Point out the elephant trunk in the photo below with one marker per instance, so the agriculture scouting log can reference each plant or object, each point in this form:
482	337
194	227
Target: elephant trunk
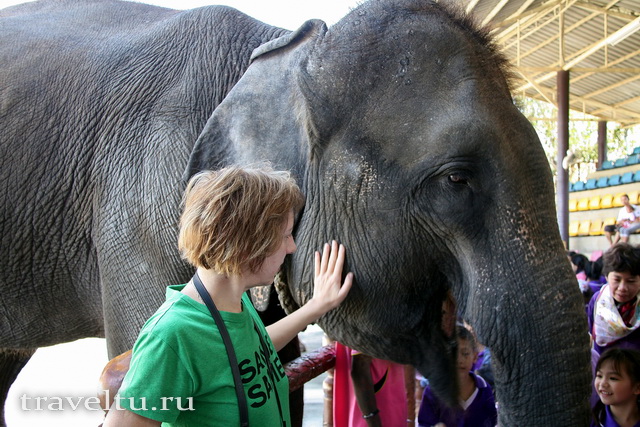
538	336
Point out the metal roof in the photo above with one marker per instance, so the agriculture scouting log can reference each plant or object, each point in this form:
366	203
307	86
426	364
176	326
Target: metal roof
597	41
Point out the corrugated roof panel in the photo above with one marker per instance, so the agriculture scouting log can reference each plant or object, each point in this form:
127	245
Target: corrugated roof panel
586	26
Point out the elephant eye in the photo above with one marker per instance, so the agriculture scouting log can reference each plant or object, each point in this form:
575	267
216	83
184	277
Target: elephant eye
457	179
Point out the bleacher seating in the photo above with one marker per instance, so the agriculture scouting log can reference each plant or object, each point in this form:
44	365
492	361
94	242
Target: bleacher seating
602	182
583	204
573	228
573	205
631	159
616	200
606	201
607	164
596	228
585	226
594	202
607	181
578	186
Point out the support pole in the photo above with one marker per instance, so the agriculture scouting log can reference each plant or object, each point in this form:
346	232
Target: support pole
410	389
562	182
602	143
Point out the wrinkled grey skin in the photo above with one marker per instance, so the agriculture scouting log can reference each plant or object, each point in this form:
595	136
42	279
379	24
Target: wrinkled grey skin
397	123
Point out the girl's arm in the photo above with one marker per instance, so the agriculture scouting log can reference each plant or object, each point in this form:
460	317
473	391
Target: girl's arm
328	293
363	388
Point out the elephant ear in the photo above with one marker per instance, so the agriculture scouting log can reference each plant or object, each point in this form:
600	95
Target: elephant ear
298	36
259	119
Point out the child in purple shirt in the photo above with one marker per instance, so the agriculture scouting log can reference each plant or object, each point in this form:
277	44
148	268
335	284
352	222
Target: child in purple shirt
617	383
477	404
613	314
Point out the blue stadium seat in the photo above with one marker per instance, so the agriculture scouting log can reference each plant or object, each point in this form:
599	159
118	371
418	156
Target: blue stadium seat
578	186
591	184
614	180
603	181
620	163
636	176
607	164
633	159
627	178
636	150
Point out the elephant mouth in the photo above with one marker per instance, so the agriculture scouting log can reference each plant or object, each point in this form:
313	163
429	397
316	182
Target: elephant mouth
260	296
284	292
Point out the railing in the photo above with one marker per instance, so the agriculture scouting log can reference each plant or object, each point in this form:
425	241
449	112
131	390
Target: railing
299	371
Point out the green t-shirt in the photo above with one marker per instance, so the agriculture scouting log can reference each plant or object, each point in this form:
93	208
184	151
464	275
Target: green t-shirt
180	371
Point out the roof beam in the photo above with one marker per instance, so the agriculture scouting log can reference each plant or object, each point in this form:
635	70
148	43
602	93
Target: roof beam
512	21
494	12
597	46
514	24
538	88
582	69
585	53
611	87
555	119
472	4
522	8
619	104
632	115
555	37
607	10
609	66
606	96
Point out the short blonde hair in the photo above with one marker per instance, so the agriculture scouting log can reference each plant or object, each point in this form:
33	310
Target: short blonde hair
233	217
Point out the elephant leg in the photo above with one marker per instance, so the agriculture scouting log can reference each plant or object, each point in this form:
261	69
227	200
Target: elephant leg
11	363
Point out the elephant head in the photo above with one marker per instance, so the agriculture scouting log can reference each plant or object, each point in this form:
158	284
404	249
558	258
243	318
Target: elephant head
400	128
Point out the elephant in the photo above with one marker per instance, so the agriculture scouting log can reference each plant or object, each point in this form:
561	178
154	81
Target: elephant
399	126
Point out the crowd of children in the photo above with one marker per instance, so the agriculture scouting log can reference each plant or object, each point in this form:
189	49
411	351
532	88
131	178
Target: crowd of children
611	286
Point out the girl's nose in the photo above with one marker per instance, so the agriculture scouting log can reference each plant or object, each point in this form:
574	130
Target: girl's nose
292	246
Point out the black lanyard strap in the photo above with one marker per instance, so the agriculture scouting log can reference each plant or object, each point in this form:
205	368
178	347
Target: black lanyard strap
272	375
233	361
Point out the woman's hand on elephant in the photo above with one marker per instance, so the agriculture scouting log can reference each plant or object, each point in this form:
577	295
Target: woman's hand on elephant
328	293
329	290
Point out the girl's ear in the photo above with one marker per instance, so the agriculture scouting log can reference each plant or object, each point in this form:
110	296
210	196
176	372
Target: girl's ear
636	389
